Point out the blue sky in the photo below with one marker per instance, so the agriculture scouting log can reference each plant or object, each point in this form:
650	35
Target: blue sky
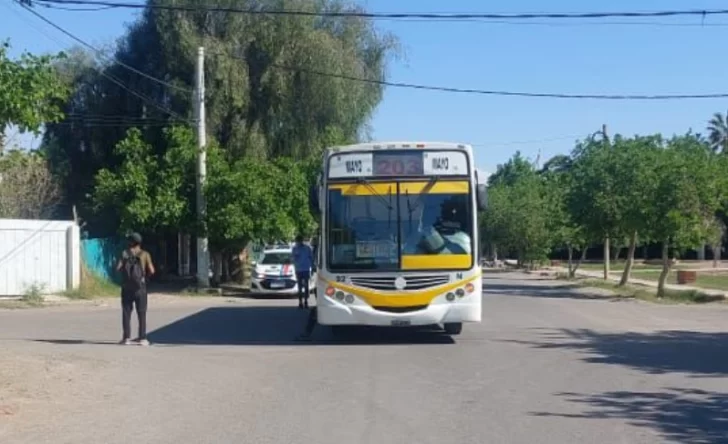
679	55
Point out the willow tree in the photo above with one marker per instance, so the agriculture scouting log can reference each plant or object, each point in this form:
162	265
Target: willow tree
276	85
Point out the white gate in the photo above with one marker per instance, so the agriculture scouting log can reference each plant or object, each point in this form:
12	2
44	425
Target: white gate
41	253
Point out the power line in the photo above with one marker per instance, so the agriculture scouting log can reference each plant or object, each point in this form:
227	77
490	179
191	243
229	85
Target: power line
405	15
98	51
65	8
113	79
543	95
505	93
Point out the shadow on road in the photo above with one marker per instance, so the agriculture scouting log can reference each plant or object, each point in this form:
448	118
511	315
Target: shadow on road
264	325
680	415
693	353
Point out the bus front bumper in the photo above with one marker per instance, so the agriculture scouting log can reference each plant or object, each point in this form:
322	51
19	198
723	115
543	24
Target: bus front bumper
440	311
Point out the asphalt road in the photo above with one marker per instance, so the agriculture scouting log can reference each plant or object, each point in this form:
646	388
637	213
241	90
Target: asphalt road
549	364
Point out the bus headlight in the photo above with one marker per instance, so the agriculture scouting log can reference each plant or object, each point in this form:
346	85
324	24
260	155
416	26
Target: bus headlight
349	299
330	291
460	292
340	295
469	287
450	297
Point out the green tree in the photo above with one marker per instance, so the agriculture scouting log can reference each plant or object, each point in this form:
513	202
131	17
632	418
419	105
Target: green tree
688	193
31	92
264	98
512	171
634	189
592	198
718	132
151	192
564	230
518	218
28	189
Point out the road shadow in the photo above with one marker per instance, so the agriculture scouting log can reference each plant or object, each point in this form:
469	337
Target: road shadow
679	415
689	352
265	325
548	291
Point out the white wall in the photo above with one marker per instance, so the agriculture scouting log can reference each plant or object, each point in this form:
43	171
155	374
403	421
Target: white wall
39	252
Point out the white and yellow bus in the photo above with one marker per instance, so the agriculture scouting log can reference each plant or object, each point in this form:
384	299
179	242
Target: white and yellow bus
399	235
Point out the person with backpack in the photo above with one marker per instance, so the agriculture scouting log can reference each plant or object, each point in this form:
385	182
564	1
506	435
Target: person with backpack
135	266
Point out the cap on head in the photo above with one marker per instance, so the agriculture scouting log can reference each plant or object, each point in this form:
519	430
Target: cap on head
299	239
134	238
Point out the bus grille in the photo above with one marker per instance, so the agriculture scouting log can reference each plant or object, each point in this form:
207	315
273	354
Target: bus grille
387	283
401	309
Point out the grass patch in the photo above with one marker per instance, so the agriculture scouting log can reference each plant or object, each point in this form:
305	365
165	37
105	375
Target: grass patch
706	279
650	294
33	295
618	266
92	287
14	304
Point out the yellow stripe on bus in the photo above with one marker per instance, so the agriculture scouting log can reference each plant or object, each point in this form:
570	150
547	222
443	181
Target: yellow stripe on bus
356	189
435	262
400	298
440	187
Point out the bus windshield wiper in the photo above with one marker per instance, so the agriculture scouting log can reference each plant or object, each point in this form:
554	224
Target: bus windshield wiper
387	203
430	183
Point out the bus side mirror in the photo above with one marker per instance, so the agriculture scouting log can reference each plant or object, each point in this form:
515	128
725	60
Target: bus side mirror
481	194
313	199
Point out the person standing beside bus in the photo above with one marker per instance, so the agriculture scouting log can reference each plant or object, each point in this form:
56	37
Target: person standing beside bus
304	263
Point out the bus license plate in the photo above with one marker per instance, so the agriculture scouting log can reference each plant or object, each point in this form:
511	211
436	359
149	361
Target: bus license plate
400	323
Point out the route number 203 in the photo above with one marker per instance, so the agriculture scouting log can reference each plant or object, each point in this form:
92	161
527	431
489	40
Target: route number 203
397	167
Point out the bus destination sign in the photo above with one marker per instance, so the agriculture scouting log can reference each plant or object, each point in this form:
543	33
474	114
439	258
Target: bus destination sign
398	164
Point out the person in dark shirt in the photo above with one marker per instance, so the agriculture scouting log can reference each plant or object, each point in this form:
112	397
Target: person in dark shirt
136	267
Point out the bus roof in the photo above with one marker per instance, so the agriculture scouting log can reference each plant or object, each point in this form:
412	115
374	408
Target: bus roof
399	145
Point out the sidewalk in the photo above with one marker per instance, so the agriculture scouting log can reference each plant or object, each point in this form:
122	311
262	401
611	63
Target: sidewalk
647	283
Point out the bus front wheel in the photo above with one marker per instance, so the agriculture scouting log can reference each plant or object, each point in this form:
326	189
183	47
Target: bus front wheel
453	328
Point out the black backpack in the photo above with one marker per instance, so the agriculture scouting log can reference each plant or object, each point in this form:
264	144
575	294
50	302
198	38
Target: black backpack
133	272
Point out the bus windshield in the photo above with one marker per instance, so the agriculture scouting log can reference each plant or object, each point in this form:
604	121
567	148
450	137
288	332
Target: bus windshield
425	227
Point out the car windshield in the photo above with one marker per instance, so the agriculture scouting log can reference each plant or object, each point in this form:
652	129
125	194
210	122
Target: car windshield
277	258
424	220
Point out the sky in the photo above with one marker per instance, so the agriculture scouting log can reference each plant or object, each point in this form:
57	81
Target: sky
621	56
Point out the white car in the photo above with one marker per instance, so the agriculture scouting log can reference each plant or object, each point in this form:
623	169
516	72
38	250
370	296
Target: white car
274	273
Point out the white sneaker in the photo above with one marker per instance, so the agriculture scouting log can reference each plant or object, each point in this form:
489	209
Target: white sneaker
144	342
125	342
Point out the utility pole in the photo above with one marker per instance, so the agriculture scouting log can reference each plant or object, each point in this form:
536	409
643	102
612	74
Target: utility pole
607	249
203	255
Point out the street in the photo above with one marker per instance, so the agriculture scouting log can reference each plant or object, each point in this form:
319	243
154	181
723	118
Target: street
549	364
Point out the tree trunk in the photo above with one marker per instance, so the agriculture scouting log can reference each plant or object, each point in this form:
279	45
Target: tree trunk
665	269
216	266
630	259
582	258
606	258
570	251
163	259
226	268
617	251
716	254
